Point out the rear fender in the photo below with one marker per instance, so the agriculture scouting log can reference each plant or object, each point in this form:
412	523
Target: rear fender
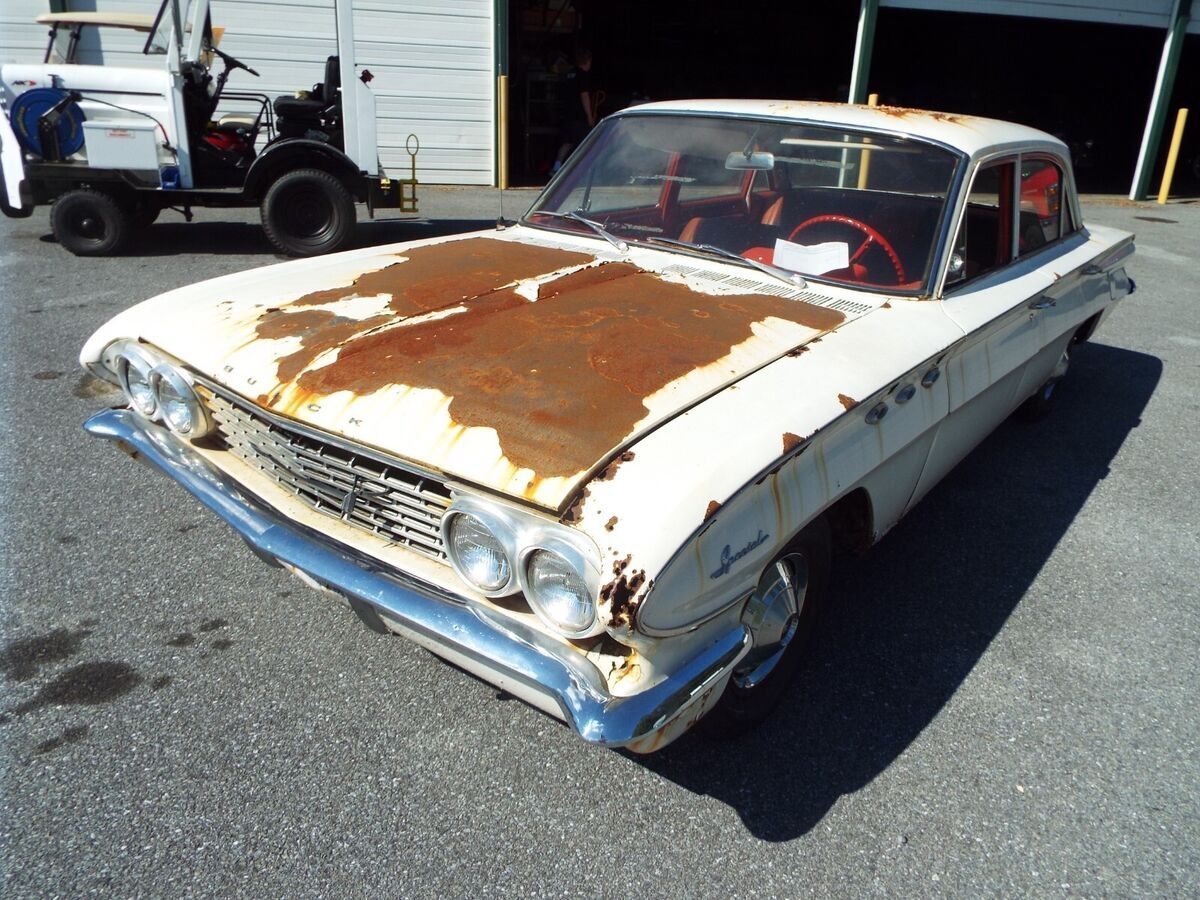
289	154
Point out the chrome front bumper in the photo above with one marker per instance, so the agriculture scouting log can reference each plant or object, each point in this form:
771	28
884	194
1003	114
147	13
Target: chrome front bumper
506	652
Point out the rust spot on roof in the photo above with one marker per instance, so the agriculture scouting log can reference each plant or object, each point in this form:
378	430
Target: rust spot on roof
713	506
610	524
441	275
847	402
562	381
796	351
902	112
791	441
886	305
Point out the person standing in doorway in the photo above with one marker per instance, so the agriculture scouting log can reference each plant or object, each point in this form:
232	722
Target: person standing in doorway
579	106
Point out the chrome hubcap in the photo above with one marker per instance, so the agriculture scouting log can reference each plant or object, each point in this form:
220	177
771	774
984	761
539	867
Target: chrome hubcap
773	616
1060	370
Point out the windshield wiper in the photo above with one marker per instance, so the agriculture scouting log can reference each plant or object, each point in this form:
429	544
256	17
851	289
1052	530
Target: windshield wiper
792	278
595	226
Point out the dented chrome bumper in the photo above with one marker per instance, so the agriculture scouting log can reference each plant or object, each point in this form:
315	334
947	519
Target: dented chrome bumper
517	658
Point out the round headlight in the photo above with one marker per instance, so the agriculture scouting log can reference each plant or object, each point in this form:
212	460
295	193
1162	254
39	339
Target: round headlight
478	554
177	402
559	593
134	371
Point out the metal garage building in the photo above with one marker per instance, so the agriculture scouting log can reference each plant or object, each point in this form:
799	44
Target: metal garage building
433	65
1081	67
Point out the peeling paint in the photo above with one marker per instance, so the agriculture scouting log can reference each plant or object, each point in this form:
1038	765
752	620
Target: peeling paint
847	402
561	381
711	511
791	441
621	594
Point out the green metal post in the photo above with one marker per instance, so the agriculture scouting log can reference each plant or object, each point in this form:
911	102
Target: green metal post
1161	99
864	43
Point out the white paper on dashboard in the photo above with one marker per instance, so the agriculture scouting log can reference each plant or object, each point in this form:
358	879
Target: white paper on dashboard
812	259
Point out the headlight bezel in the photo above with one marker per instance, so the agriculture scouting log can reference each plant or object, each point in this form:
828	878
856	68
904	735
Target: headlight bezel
521	534
499	529
569	552
134	356
157	369
200	423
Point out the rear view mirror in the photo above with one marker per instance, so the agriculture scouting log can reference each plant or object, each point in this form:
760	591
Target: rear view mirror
759	161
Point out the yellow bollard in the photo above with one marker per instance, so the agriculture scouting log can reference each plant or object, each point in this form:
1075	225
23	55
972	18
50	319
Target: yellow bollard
865	157
502	128
1172	156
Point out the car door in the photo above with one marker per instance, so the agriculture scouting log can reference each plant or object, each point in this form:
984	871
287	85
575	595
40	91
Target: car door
997	298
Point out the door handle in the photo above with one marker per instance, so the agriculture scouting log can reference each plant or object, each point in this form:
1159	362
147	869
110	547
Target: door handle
1043	303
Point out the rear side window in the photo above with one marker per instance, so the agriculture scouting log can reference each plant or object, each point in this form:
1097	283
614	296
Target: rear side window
1042	217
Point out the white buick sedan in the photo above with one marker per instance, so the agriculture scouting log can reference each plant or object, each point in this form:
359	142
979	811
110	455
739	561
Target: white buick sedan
600	457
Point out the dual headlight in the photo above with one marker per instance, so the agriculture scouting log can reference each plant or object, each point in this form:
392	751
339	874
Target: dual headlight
159	390
500	551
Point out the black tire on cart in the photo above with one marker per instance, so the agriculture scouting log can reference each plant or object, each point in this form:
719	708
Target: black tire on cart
89	222
143	215
780	614
308	212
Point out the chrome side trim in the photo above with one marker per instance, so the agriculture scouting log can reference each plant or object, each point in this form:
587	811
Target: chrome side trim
512	653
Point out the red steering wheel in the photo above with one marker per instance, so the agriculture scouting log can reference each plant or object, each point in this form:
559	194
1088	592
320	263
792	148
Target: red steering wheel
873	238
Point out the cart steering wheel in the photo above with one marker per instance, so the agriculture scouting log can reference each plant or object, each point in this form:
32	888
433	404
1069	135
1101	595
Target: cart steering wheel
873	238
232	63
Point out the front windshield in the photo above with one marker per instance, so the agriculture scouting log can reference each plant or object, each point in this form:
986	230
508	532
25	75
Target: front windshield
830	203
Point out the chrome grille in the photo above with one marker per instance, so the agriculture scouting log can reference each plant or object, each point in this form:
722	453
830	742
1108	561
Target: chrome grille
395	503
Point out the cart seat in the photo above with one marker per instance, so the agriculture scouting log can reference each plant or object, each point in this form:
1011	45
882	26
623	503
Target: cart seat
236	120
296	108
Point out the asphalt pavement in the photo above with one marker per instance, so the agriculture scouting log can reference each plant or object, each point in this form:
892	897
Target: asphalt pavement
1002	700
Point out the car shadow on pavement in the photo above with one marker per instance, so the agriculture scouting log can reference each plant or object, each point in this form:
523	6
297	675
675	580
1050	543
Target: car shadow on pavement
908	621
170	238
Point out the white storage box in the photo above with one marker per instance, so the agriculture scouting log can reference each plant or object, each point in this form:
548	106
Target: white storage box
121	144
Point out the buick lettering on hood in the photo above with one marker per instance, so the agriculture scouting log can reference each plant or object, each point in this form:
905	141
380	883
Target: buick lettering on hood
601	457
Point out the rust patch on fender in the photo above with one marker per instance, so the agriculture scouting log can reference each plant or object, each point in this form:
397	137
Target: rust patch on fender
791	441
561	380
713	507
621	594
441	275
847	402
610	471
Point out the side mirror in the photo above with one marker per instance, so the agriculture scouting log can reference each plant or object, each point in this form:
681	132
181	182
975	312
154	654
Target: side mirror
759	161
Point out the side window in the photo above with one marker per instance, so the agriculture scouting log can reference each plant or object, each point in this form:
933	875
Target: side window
984	240
1042	219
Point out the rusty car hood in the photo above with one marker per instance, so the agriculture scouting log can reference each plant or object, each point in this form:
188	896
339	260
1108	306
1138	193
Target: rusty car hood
513	364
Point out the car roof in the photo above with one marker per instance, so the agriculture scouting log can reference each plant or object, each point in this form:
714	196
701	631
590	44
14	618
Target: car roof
973	135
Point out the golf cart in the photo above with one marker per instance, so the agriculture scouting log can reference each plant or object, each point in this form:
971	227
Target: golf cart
111	147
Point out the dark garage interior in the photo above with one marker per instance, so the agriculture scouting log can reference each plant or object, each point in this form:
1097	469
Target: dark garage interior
1089	83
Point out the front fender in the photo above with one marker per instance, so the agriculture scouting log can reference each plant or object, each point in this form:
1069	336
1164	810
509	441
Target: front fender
14	190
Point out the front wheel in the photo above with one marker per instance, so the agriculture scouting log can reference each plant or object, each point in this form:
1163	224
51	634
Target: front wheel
308	212
89	223
780	615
